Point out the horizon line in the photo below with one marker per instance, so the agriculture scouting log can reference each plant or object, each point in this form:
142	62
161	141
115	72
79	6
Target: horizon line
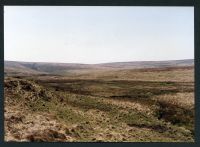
97	63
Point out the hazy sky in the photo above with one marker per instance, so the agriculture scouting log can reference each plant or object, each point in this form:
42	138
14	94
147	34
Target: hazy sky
98	34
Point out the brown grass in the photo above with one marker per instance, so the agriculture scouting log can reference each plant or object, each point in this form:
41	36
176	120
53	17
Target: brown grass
129	105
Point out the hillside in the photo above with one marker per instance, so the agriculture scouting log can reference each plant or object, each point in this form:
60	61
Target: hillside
99	105
13	67
148	64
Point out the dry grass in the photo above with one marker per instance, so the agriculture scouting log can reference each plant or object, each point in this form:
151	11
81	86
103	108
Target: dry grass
185	100
132	106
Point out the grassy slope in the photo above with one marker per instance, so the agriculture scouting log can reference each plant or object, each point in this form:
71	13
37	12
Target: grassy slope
102	106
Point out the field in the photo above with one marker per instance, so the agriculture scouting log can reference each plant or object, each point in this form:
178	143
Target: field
100	105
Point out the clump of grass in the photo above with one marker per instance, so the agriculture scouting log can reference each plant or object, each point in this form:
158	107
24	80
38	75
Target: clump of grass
47	135
176	115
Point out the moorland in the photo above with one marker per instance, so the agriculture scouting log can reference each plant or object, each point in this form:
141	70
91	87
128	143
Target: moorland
146	101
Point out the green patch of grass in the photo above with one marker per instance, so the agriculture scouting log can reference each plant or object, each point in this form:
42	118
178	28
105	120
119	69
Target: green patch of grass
135	119
86	102
69	115
130	117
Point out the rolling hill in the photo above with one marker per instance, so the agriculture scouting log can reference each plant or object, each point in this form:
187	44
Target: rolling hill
14	67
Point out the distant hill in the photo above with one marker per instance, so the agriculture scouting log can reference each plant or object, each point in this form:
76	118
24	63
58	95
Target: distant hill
15	67
149	64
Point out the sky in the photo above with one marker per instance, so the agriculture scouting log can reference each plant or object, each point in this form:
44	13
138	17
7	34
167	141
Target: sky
97	34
